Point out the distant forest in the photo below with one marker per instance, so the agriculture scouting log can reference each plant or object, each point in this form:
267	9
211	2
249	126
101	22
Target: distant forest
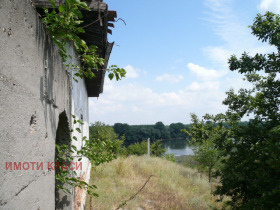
138	133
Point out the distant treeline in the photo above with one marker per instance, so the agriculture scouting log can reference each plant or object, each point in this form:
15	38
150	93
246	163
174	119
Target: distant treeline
138	133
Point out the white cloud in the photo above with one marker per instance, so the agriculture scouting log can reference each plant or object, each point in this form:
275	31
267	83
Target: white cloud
207	86
204	73
218	55
219	6
225	23
269	5
233	30
136	104
171	78
131	72
105	106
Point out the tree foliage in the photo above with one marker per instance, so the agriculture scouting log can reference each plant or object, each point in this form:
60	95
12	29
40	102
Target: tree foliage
64	154
251	168
138	133
142	148
156	149
103	144
203	136
249	152
137	148
175	130
170	157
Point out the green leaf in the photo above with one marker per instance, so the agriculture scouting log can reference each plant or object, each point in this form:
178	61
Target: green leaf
52	3
111	76
61	8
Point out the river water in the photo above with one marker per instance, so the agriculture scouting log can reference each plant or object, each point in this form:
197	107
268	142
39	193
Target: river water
177	146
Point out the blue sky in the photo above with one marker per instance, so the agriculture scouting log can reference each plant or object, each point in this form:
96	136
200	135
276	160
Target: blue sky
175	54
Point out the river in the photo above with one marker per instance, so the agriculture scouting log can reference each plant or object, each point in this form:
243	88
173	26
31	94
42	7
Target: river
177	146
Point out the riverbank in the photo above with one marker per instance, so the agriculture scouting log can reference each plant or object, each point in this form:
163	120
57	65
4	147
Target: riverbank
172	186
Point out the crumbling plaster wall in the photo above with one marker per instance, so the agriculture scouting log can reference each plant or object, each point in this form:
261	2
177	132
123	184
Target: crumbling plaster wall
80	110
34	90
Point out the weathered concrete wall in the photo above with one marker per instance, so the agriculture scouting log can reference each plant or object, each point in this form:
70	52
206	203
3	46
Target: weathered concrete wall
34	90
80	110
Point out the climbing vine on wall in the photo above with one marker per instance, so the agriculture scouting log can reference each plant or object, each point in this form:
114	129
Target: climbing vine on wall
63	24
98	150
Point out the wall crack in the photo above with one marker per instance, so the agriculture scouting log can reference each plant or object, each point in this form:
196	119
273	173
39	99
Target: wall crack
3	203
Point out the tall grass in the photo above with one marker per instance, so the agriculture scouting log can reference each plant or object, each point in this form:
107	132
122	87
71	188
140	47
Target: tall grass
172	186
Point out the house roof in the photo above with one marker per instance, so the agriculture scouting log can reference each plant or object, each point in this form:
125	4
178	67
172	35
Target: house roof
96	23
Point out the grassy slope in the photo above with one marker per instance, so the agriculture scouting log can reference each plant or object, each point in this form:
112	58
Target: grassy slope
172	187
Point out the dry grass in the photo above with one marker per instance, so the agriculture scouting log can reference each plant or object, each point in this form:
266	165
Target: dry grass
172	186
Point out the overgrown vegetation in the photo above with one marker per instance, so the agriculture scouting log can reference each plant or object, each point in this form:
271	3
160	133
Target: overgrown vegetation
64	26
103	144
170	157
187	161
250	169
172	186
64	179
202	136
142	148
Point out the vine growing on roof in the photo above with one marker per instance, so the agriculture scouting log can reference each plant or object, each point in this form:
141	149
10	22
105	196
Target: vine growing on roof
63	24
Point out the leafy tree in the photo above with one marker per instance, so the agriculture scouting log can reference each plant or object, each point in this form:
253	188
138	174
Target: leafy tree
175	130
103	144
165	134
251	170
153	134
160	126
204	135
137	148
121	128
157	149
170	157
138	133
142	148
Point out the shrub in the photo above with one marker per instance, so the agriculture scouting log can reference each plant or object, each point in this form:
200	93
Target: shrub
170	157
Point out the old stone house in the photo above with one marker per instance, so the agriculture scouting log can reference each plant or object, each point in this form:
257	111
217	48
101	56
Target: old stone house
37	100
